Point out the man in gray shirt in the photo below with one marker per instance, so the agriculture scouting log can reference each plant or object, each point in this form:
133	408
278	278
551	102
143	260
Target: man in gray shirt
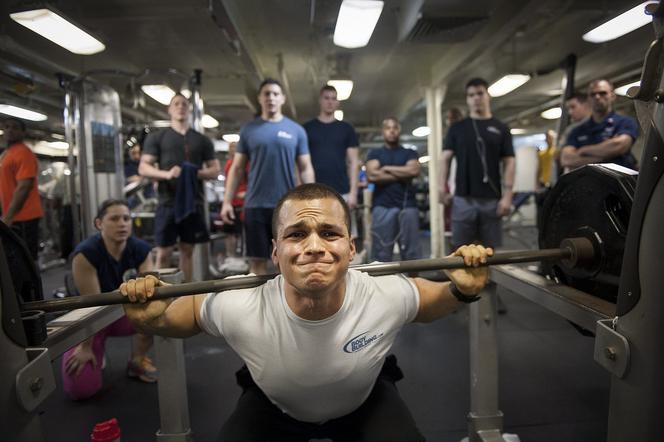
273	144
175	149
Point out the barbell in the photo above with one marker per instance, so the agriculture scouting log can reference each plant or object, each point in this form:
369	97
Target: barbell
572	253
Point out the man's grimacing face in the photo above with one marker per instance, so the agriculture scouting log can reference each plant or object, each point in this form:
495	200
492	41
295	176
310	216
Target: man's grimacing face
313	248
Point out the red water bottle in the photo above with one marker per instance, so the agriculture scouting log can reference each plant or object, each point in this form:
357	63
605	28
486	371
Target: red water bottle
108	431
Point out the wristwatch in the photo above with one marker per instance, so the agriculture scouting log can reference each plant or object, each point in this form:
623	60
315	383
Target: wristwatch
460	296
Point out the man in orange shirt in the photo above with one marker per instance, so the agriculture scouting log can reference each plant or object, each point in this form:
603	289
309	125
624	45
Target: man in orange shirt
21	206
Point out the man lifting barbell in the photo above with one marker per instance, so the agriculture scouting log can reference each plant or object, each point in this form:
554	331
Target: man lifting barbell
315	337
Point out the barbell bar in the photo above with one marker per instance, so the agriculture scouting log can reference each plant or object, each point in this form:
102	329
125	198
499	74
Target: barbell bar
572	252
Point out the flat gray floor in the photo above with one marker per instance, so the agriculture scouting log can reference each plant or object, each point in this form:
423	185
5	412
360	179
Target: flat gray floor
550	387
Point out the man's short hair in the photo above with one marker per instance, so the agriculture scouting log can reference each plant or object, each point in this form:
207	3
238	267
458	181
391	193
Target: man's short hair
270	81
308	192
477	81
328	88
177	94
391	118
578	96
18	121
599	80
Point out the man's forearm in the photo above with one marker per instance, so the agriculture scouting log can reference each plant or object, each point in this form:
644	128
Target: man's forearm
234	177
177	321
150	171
19	198
307	175
402	172
606	150
209	172
353	172
381	177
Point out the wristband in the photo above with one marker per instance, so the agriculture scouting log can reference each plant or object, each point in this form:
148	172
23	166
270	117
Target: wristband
460	296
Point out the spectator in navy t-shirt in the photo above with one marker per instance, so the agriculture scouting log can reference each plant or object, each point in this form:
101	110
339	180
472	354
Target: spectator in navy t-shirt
274	144
333	146
394	215
606	137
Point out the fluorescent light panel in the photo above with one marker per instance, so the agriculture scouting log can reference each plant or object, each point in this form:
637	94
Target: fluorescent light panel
507	84
339	114
343	87
424	159
159	92
356	22
620	25
60	31
186	93
552	114
622	90
421	131
19	112
231	138
517	131
209	122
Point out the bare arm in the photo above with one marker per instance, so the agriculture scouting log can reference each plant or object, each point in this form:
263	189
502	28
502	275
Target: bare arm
210	170
570	157
509	170
376	174
19	198
353	164
306	169
235	175
410	170
176	318
436	299
147	168
609	148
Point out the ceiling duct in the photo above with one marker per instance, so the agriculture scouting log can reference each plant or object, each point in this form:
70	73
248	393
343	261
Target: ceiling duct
430	29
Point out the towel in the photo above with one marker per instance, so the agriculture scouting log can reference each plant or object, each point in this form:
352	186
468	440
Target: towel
186	191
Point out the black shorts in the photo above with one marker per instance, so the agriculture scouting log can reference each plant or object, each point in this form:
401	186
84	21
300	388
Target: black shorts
190	230
258	232
236	227
28	231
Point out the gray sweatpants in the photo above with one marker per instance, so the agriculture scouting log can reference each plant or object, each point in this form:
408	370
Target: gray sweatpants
475	220
390	224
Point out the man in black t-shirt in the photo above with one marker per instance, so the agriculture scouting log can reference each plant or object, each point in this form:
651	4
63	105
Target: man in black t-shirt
333	147
479	143
184	156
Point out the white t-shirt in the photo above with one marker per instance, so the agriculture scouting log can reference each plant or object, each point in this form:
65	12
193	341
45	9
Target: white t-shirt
314	370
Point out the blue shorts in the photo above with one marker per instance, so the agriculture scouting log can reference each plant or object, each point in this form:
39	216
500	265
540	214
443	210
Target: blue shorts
258	232
190	230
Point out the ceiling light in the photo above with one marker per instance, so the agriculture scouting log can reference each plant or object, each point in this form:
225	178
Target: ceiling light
424	159
209	122
552	114
53	26
507	84
58	136
186	93
159	92
517	131
343	87
622	90
2	132
356	22
231	138
58	145
339	115
19	112
620	25
421	131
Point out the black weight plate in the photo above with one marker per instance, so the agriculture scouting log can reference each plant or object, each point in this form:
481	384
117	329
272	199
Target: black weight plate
594	202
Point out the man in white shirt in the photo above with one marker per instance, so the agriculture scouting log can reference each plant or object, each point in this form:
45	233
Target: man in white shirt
314	338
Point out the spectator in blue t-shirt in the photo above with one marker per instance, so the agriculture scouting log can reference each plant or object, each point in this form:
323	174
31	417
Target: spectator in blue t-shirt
274	144
394	215
606	137
333	145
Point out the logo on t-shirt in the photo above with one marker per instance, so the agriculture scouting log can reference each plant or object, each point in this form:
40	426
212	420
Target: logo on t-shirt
361	341
284	134
493	129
